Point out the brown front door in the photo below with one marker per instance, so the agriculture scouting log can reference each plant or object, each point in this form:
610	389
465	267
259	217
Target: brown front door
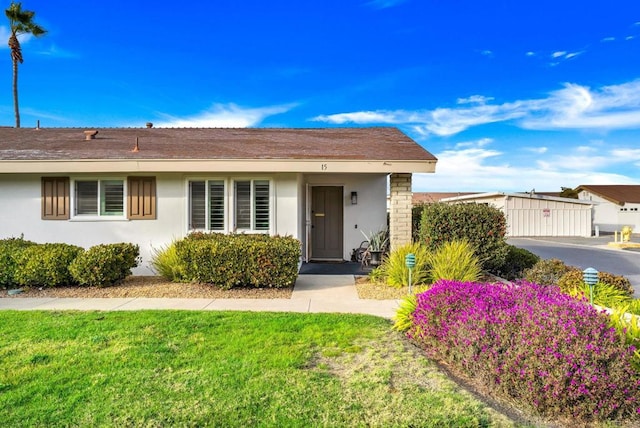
326	222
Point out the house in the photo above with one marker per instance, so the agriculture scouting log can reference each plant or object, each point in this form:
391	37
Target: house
150	186
615	205
432	197
532	214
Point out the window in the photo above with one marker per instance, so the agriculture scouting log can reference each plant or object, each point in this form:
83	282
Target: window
141	202
99	198
252	205
55	198
207	205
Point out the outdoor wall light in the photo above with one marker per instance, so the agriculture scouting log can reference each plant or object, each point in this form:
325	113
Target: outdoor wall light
354	198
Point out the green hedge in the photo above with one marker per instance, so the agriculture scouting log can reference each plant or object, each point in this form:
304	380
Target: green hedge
483	226
106	264
516	262
10	250
239	260
46	265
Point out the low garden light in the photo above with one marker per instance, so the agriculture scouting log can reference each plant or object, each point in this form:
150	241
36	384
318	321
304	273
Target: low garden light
410	262
590	277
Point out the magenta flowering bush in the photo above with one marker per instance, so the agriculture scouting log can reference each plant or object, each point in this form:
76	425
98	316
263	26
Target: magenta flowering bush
531	343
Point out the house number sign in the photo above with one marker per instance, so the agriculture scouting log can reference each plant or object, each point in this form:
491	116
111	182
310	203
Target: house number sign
324	167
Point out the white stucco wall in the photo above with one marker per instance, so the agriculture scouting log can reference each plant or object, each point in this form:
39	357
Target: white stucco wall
20	214
20	211
611	217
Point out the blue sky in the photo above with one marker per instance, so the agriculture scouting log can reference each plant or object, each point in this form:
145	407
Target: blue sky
509	95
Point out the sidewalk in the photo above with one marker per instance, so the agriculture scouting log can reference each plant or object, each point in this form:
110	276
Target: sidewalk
312	293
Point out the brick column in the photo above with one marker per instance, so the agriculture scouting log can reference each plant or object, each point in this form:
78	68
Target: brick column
400	210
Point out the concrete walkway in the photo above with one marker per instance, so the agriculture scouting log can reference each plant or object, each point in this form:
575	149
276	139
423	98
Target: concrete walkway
312	293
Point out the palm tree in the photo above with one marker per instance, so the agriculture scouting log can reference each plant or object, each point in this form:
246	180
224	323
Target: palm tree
20	22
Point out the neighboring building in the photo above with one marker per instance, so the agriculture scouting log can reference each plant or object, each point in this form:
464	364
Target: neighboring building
615	205
150	186
532	214
432	197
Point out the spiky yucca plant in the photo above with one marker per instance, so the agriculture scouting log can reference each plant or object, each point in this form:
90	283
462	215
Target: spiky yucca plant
606	295
394	272
455	260
403	319
628	326
166	263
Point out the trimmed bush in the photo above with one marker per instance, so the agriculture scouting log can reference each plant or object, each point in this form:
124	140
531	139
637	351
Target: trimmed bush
46	265
394	272
516	261
10	250
104	265
483	226
532	344
620	282
454	260
416	219
547	272
239	260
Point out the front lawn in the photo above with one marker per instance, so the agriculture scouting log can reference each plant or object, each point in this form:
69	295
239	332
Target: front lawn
182	368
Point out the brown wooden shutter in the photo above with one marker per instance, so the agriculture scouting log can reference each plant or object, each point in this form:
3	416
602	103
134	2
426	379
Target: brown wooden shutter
55	198
142	198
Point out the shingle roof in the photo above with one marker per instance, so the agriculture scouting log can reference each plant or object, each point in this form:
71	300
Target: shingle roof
431	197
67	144
617	193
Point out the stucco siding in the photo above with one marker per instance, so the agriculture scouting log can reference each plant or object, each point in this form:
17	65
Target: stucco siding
20	211
609	216
20	214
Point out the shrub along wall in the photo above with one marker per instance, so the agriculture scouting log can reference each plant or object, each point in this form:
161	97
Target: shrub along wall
483	226
46	265
25	263
105	264
10	250
239	260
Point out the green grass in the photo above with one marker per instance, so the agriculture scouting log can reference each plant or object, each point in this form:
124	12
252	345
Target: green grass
182	368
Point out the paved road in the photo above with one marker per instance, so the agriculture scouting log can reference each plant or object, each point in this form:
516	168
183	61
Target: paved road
587	252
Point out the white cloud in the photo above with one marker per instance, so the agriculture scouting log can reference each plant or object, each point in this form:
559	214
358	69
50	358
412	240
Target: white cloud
608	39
530	53
481	170
224	116
630	37
537	150
474	144
558	54
585	149
572	107
475	99
575	106
486	52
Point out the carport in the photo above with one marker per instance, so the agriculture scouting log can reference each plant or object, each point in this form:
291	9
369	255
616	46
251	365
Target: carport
531	214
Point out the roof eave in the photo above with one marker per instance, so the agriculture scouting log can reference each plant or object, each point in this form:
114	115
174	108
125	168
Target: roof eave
98	166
